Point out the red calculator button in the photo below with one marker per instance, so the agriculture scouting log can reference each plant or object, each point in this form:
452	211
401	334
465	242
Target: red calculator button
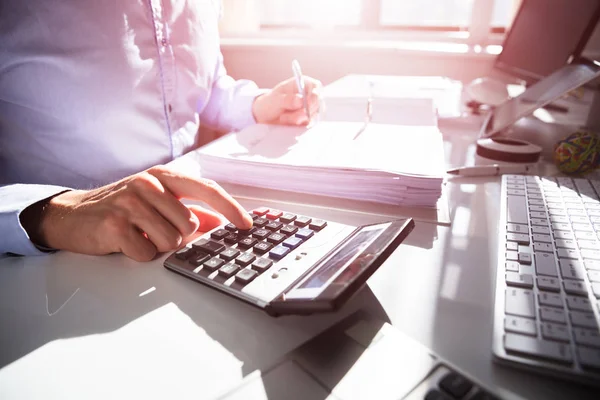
260	211
274	214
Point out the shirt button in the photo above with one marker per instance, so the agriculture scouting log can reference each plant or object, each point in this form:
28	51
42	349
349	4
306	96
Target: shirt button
164	42
170	107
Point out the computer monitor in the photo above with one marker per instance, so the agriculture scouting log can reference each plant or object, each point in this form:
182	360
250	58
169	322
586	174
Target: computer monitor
545	36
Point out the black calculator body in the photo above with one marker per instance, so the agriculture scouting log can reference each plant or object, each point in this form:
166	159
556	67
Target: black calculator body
289	263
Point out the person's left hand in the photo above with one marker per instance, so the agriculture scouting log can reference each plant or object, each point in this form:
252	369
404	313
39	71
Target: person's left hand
284	105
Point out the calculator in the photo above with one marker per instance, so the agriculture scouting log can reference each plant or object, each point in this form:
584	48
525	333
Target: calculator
289	263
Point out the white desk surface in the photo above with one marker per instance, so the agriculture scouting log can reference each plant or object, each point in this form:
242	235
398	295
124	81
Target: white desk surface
77	326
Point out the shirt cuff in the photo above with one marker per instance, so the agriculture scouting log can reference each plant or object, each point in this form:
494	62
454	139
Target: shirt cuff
13	200
244	103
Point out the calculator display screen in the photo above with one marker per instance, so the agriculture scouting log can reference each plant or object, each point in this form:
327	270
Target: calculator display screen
346	262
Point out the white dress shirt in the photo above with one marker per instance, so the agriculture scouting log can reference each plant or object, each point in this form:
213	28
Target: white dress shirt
95	90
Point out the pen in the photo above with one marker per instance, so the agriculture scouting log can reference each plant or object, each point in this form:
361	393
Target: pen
492	170
301	86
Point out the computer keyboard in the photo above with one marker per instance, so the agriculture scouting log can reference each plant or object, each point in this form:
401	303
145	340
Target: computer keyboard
548	278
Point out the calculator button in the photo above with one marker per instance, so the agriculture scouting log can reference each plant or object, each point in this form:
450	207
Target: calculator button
231	227
213	264
317	224
210	247
229	254
262	247
262	264
273	226
274	214
199	258
246	243
287	218
260	222
276	238
247	232
228	270
279	252
219	234
292	242
185	253
232	238
246	275
289	229
261	233
245	259
302	221
456	385
260	211
304	233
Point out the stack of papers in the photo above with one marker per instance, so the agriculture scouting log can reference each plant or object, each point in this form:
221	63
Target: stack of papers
385	163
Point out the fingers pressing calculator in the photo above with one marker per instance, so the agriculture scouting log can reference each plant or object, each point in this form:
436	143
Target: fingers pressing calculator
289	263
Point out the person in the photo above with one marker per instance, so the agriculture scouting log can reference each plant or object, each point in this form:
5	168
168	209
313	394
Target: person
95	98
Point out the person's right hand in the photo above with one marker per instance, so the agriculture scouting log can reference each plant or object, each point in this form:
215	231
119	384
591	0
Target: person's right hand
140	215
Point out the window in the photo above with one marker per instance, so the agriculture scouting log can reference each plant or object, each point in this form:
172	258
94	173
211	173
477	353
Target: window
382	15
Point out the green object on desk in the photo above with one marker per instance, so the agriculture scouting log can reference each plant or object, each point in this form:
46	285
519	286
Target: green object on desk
578	153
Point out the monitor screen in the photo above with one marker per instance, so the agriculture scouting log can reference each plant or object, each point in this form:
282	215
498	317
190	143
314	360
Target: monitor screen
544	36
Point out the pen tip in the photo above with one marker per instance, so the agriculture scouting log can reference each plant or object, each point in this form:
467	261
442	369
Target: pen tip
452	172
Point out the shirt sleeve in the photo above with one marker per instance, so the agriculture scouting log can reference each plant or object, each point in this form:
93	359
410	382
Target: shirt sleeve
229	106
13	200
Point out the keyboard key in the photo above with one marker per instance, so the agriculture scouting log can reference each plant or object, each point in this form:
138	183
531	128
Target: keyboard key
589	357
262	264
545	264
579	303
434	394
556	351
317	224
210	247
549	284
550	299
260	222
279	252
302	221
555	332
583	227
537	214
539	222
233	238
587	337
590	254
594	276
456	385
213	264
512	266
520	302
587	244
559	218
276	238
512	256
274	214
229	254
228	270
520	238
592	264
515	192
245	259
566	244
564	235
540	229
262	247
519	280
525	326
596	289
571	269
292	242
246	275
585	235
288	229
219	234
273	226
561	226
260	211
287	218
575	287
538	237
547	247
568	253
304	233
261	234
525	258
518	228
199	258
246	243
551	314
583	319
